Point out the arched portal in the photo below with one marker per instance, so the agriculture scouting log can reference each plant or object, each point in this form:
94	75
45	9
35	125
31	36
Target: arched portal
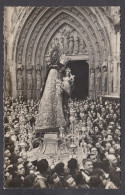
89	32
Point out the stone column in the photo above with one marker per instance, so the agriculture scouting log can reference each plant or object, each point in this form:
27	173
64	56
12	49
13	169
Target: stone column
92	82
20	80
115	65
110	76
98	80
104	79
38	81
29	83
13	80
118	63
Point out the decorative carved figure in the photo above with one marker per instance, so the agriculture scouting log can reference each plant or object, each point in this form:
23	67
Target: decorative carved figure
20	80
29	57
104	80
97	25
19	57
29	80
82	47
66	43
38	80
71	44
115	14
61	46
7	83
56	41
48	50
76	43
98	79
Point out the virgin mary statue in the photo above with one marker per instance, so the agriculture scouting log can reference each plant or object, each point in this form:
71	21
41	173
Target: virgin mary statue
50	113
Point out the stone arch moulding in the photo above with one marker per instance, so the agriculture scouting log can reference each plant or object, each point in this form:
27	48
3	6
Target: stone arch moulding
64	22
100	49
43	43
76	20
79	26
72	14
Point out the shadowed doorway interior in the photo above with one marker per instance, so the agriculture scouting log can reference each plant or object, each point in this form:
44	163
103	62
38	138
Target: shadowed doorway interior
80	69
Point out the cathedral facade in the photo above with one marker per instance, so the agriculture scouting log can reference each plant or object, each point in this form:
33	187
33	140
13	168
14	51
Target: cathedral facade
87	34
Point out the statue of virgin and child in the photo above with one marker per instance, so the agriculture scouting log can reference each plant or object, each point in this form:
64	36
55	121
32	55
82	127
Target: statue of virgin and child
55	94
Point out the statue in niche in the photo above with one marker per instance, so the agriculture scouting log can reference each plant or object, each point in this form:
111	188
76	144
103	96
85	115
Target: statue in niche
18	9
21	49
7	83
97	25
61	46
49	50
104	80
76	43
19	57
22	42
98	79
29	57
56	41
38	80
92	79
38	56
111	77
66	42
25	31
82	47
71	44
115	14
29	80
20	80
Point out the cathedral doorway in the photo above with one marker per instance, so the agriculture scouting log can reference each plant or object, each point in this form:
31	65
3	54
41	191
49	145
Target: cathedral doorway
80	69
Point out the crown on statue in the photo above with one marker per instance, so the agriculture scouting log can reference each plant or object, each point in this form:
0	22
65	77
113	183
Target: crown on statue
64	59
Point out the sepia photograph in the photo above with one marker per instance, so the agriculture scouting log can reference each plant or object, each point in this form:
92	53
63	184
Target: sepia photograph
62	75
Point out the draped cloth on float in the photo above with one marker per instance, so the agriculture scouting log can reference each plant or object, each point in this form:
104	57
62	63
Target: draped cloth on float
50	113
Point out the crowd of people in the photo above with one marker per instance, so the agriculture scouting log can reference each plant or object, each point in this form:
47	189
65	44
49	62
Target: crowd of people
96	129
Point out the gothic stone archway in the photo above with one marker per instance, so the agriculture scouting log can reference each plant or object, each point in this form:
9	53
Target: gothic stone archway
87	30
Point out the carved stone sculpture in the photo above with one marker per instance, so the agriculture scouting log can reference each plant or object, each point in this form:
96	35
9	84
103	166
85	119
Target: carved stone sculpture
104	80
115	14
19	57
7	83
61	43
56	41
29	80
98	79
71	44
82	47
29	57
66	43
76	43
20	80
38	80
